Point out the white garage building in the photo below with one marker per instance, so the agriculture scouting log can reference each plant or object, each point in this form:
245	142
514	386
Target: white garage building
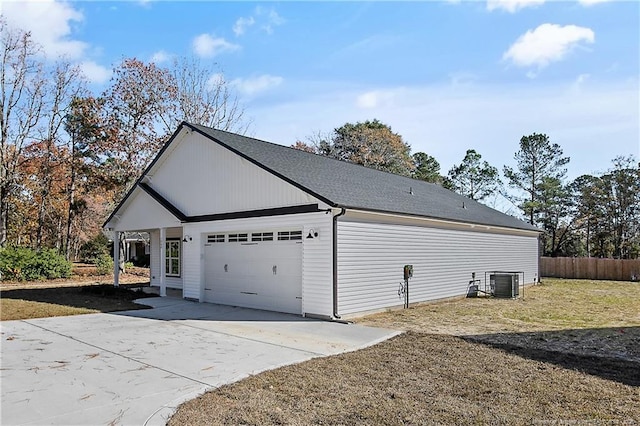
239	221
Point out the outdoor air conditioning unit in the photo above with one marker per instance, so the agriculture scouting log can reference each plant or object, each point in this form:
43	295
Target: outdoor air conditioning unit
505	285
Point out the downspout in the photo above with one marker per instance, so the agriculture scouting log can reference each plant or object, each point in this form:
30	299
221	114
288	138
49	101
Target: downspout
335	263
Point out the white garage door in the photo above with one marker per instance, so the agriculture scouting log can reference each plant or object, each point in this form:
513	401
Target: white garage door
260	270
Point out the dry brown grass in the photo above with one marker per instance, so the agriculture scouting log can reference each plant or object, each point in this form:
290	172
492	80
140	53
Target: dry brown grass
84	293
566	354
553	305
42	301
416	379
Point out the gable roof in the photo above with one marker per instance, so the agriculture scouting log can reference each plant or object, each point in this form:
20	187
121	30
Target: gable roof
352	186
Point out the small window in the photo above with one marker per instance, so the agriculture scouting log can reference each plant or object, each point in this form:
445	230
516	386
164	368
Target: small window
237	238
172	258
289	235
216	238
262	236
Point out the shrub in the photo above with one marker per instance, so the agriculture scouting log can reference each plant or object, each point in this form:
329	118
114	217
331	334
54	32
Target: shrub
94	248
104	264
25	264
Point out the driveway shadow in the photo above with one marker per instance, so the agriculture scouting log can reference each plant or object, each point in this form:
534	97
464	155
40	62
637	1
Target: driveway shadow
175	309
609	353
101	297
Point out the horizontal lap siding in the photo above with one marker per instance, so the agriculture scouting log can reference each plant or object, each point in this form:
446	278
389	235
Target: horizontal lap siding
317	272
154	257
371	257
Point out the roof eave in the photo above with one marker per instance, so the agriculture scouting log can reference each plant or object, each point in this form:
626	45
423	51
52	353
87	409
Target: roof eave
440	219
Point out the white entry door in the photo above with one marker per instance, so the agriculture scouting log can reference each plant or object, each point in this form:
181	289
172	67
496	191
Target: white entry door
261	270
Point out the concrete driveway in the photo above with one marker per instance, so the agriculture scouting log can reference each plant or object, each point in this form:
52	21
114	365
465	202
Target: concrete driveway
136	367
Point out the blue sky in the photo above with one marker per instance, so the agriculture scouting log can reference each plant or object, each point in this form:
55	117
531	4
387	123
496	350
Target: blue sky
447	76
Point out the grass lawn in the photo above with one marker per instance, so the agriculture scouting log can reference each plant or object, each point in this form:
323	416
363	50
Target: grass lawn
568	353
62	298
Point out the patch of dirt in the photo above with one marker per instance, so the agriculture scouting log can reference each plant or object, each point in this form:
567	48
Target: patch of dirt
139	278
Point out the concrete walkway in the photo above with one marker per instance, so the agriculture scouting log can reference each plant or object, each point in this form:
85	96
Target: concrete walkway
136	367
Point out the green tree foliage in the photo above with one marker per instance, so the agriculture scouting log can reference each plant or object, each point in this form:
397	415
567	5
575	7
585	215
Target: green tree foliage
370	143
555	217
591	221
426	168
622	183
607	210
24	264
93	249
538	159
474	178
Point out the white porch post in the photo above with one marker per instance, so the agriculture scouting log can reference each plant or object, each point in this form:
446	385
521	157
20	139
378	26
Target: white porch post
163	261
116	258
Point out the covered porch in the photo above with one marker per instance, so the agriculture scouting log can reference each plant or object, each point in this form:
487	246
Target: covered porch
165	258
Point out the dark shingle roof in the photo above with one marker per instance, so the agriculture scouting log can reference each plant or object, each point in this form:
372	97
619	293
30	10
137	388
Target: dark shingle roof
348	185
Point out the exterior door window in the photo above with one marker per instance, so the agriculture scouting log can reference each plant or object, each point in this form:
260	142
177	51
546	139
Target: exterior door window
172	264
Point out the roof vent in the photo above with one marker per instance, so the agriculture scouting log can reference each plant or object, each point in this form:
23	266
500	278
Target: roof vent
410	191
463	206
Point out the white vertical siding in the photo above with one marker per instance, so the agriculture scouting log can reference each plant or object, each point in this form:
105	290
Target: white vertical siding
316	254
371	257
141	212
201	177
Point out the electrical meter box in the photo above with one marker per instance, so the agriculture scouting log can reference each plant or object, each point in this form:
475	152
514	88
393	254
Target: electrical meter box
408	271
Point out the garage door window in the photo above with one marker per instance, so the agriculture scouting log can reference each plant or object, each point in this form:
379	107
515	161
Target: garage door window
262	236
217	238
172	264
289	235
237	238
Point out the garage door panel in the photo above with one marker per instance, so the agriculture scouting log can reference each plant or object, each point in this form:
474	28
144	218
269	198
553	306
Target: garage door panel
262	275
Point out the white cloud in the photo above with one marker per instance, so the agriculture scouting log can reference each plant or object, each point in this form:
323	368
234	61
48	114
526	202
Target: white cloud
444	121
95	73
592	2
367	100
242	24
273	20
206	46
160	56
547	43
512	6
50	23
254	85
215	80
375	99
265	19
578	83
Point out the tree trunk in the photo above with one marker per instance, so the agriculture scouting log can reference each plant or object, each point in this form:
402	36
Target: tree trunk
121	246
72	200
4	215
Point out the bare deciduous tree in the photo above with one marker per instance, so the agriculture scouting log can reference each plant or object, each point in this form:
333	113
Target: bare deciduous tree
204	97
22	91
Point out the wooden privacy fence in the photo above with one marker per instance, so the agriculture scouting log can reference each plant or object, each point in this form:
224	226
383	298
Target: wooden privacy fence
590	268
